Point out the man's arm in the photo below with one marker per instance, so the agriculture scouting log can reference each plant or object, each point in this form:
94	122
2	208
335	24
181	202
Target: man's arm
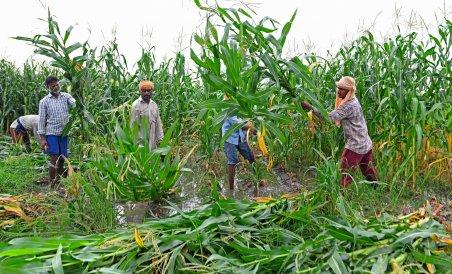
35	131
135	118
70	100
340	113
134	115
306	106
250	126
159	127
42	124
247	125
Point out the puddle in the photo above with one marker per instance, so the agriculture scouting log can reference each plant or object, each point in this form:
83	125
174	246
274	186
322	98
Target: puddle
193	194
131	212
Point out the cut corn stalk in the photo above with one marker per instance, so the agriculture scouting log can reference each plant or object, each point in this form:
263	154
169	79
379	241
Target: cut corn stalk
261	141
138	239
177	247
311	124
263	199
248	135
270	163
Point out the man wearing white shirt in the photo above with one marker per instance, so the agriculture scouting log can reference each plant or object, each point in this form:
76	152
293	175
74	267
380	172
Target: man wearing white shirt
21	127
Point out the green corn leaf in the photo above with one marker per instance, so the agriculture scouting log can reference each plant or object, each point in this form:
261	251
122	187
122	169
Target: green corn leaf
336	264
419	136
433	259
286	29
67	33
380	266
271	66
217	83
72	48
172	261
56	262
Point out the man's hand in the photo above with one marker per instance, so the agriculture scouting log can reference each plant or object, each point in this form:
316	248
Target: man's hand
248	125
305	105
43	143
318	115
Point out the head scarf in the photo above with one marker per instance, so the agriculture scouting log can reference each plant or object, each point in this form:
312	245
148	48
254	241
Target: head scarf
349	84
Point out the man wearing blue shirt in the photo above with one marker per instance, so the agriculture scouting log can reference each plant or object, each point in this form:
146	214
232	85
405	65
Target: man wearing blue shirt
236	142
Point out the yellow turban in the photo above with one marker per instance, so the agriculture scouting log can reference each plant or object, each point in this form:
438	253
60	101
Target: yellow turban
146	85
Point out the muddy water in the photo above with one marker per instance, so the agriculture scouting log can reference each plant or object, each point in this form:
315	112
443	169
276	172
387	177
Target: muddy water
193	194
285	183
131	212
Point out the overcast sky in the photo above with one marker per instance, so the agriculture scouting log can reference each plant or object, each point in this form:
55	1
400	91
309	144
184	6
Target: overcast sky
320	25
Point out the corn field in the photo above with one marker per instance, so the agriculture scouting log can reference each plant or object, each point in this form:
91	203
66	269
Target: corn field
404	85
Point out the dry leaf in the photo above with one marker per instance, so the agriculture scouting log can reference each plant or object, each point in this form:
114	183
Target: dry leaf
263	199
7	223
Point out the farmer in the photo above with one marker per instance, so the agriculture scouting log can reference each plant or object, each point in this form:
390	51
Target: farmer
236	142
145	108
53	117
358	146
22	126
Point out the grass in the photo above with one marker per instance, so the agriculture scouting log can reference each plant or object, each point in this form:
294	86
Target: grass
47	212
23	178
16	174
19	174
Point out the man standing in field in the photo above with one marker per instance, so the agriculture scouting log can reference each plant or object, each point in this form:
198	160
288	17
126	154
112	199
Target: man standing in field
358	145
53	117
236	142
21	127
145	108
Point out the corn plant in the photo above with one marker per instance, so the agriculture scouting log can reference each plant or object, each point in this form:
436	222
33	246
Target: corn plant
55	45
133	172
395	79
176	92
247	65
403	88
21	89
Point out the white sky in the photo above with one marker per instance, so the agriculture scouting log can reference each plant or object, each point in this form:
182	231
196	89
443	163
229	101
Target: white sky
323	23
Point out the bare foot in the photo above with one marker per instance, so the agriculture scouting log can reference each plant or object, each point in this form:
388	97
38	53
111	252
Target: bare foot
230	193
